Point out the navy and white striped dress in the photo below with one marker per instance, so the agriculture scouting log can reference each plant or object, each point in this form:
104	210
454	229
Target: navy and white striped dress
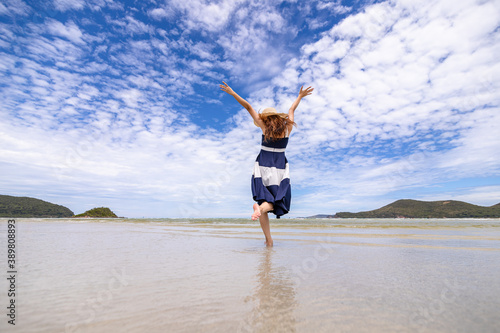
271	176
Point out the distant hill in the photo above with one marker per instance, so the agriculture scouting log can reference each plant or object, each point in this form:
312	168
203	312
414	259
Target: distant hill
30	207
98	212
427	209
321	216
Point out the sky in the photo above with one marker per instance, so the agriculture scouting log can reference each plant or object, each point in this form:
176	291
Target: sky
117	103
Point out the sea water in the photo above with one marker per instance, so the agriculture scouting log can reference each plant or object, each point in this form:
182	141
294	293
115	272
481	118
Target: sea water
216	275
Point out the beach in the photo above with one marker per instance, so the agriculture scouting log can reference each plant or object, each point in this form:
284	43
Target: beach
216	275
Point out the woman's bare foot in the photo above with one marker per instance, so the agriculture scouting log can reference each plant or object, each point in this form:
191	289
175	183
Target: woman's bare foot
269	243
256	212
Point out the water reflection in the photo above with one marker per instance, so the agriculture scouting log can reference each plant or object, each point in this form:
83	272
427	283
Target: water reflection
274	298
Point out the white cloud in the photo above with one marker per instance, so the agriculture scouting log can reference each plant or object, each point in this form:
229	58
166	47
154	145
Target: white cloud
253	48
161	13
3	9
480	195
130	25
64	5
203	50
134	26
69	30
335	7
14	7
130	97
476	149
205	14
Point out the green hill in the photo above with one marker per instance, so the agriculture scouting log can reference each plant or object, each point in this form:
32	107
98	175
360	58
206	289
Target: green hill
320	216
427	209
30	207
98	212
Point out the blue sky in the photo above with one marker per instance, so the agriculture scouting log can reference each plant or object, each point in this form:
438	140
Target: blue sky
108	103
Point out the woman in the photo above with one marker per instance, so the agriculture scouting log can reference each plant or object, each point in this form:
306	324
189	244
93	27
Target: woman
270	179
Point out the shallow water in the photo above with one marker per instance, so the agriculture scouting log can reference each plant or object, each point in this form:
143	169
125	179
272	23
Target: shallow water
215	275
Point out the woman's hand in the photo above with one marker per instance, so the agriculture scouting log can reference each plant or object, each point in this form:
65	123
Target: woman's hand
226	88
304	93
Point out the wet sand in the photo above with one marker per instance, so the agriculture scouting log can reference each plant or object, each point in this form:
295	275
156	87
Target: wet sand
213	275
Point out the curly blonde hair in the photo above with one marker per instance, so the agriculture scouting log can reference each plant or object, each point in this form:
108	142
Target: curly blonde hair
275	127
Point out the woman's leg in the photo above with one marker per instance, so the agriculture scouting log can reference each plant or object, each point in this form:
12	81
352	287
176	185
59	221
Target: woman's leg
260	212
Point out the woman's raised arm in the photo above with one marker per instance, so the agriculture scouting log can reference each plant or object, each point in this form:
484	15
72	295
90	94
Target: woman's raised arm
302	94
225	87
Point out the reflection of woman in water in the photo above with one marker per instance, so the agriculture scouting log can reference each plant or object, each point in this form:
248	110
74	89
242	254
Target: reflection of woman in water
274	299
270	179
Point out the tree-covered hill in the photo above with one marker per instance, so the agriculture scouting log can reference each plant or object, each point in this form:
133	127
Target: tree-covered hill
427	209
30	207
98	212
